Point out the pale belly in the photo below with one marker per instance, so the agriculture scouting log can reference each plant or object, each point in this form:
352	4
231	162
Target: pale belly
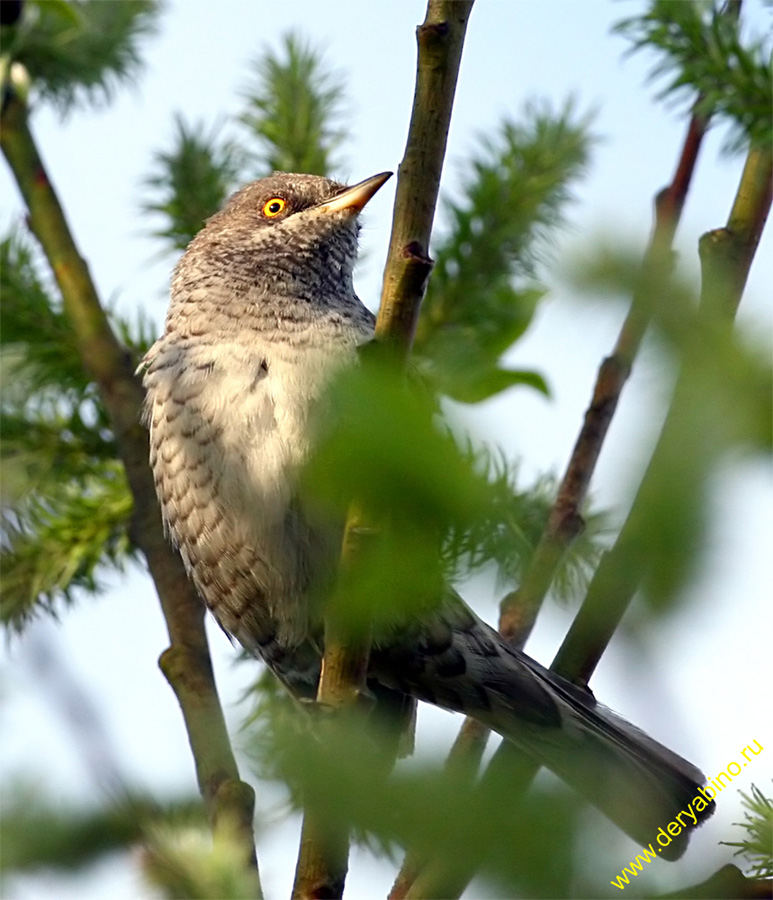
228	429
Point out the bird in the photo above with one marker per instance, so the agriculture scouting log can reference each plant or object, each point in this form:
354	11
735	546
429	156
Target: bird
262	315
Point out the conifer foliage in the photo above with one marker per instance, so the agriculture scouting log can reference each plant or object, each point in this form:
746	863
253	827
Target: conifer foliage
77	503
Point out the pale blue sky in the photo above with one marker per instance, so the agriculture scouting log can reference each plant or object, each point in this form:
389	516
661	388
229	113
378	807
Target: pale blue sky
703	682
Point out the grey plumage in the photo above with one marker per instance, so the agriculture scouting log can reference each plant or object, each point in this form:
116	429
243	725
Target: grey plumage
262	313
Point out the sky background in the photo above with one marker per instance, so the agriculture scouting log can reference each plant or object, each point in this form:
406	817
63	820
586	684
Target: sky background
701	682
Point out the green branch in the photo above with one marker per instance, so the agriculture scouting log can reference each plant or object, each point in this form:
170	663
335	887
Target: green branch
725	268
186	664
322	862
520	608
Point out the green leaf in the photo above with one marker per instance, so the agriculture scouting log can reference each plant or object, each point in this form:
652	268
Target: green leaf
436	810
79	53
294	106
478	386
483	292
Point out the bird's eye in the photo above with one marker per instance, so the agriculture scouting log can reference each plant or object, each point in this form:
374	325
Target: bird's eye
272	207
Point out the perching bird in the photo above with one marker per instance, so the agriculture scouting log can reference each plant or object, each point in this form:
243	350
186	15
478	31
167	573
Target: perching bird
262	313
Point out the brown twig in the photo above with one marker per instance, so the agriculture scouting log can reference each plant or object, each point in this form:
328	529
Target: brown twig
186	664
322	861
519	609
726	257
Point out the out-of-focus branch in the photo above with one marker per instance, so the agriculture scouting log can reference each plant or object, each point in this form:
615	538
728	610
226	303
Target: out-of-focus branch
321	869
728	882
726	257
186	664
727	253
519	609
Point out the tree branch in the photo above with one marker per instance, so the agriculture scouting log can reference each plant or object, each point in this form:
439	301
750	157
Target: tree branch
519	609
440	39
321	870
724	273
726	257
186	664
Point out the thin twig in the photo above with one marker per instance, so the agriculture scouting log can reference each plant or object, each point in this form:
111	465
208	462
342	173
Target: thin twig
440	39
726	257
186	664
519	609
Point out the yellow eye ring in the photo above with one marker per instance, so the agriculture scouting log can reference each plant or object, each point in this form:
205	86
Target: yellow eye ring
273	207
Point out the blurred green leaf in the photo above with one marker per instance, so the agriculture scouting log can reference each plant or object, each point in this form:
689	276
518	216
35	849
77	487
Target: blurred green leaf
37	832
80	52
185	864
483	291
443	509
437	811
384	445
294	106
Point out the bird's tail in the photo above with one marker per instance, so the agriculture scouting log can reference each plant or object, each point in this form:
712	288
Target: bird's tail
636	782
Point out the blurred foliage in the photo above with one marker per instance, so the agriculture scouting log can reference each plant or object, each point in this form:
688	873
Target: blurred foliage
294	106
79	52
436	810
447	509
37	832
192	181
185	864
757	844
484	289
65	506
721	408
700	50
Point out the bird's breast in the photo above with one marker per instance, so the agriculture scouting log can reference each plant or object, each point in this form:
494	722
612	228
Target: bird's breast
229	427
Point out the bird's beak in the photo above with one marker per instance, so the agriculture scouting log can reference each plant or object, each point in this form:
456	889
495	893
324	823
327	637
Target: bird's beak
356	197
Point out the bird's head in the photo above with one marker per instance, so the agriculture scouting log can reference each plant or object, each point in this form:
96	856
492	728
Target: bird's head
285	229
